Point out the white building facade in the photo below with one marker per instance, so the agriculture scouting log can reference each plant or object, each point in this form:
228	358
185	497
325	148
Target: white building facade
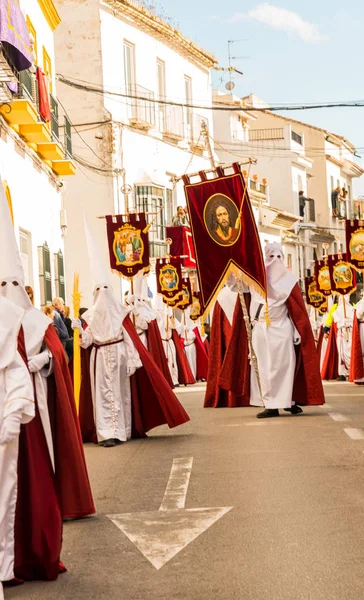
33	159
136	142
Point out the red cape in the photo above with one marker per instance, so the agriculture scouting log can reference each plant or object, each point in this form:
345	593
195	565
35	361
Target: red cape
185	375
156	349
330	365
307	387
86	411
221	332
207	346
356	360
70	465
154	403
202	360
38	520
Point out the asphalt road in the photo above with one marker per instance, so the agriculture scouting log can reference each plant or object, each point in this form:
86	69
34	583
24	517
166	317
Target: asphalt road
292	528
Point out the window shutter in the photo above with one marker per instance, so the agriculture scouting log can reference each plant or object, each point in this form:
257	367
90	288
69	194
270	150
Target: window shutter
45	276
59	271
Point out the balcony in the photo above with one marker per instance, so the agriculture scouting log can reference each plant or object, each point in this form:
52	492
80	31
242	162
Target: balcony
141	108
196	133
22	113
172	126
262	135
358	210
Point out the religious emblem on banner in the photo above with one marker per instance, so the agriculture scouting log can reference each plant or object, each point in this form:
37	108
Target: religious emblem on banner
355	244
169	278
186	295
322	275
224	233
342	276
128	244
196	310
313	296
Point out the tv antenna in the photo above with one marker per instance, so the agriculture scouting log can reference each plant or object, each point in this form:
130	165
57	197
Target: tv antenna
230	84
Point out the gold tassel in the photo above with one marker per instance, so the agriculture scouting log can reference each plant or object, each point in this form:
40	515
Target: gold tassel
267	319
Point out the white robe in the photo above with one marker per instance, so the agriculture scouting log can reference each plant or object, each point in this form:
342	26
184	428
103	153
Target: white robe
168	345
344	338
16	396
274	349
110	384
191	352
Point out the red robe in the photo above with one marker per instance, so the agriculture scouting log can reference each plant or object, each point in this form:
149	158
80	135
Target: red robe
38	519
356	361
85	414
185	375
221	332
202	360
70	465
307	387
156	349
330	365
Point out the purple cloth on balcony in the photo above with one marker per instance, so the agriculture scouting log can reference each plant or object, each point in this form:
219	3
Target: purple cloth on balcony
14	33
13	87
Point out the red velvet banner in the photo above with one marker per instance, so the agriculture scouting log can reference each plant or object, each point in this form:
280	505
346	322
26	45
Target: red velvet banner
322	276
186	296
224	232
342	275
355	244
313	297
128	244
196	306
182	245
169	278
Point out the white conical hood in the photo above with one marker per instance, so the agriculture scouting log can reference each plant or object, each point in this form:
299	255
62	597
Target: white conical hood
99	272
10	262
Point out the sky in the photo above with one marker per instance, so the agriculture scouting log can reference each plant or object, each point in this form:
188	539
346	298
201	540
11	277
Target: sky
293	52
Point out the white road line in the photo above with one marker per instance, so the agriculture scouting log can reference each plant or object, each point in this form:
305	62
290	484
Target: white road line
354	434
338	417
177	486
326	406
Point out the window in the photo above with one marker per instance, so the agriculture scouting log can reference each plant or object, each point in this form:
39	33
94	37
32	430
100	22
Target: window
129	75
33	34
289	262
332	183
311	210
59	275
349	192
151	199
45	276
296	138
8	197
47	68
161	83
25	246
188	116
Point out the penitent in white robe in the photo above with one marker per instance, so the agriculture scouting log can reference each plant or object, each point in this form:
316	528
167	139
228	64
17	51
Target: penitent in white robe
191	352
16	396
274	348
344	322
168	344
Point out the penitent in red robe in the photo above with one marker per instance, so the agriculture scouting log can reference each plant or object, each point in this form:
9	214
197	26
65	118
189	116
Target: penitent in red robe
38	519
330	365
156	349
202	360
356	360
72	480
185	375
307	387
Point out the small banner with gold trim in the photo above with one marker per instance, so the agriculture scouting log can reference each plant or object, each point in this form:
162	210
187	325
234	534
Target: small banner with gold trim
169	278
342	275
314	297
186	296
355	244
225	235
196	307
322	276
128	244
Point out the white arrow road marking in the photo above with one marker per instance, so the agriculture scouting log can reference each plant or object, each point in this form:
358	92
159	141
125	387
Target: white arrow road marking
161	535
338	417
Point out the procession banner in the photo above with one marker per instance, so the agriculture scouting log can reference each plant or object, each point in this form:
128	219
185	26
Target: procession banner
182	245
342	275
324	308
313	296
186	296
322	276
225	235
169	278
355	244
128	244
196	307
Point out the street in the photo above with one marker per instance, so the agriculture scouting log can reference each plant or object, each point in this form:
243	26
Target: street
285	519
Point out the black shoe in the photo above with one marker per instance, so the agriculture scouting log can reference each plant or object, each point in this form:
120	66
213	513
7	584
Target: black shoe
110	443
341	378
268	413
294	410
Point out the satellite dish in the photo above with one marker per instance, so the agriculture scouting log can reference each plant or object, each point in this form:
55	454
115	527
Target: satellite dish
230	86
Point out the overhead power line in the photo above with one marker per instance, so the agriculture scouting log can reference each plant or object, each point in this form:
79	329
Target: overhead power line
275	108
